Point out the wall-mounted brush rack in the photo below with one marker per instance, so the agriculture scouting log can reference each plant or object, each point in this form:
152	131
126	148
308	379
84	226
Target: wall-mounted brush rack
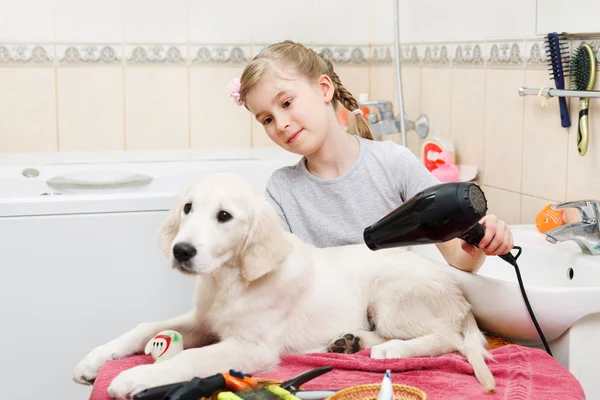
551	92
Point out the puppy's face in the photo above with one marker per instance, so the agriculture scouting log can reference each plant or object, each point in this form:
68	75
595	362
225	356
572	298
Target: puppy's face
210	224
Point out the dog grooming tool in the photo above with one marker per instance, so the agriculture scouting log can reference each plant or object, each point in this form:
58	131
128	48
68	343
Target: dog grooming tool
557	55
583	77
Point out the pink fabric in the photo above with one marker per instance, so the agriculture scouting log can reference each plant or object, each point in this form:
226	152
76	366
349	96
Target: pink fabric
520	373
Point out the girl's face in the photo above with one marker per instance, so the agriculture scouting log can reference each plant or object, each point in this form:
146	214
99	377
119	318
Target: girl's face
295	113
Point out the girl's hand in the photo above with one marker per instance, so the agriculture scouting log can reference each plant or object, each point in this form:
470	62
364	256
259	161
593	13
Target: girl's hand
497	239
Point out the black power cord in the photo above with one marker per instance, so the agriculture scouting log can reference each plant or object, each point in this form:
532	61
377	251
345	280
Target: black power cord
512	260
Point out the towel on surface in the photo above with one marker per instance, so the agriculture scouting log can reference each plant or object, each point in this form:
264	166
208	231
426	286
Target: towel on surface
520	372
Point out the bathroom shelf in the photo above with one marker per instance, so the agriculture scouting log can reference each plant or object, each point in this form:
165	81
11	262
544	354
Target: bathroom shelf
551	92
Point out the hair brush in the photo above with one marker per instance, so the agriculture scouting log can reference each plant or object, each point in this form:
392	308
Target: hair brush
583	77
557	55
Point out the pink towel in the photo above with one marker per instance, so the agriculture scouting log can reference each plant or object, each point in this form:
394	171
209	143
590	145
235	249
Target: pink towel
521	373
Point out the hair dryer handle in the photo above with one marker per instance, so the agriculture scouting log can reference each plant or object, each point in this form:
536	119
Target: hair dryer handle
474	235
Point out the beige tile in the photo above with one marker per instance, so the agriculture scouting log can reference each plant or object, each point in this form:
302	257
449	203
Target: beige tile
503	204
468	113
383	87
583	178
503	133
27	110
436	95
354	79
156	108
259	136
216	121
544	144
531	206
90	109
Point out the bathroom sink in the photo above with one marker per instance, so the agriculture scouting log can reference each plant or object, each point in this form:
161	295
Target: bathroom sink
562	284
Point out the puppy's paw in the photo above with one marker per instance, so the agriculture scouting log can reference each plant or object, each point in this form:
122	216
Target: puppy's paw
347	344
87	369
134	380
390	349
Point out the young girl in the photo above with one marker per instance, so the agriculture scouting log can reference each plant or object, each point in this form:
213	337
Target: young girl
343	182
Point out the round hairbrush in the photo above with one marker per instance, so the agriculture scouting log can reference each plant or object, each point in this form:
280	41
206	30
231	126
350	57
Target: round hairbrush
583	76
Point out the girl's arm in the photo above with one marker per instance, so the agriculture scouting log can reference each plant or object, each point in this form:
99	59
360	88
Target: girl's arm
455	256
497	240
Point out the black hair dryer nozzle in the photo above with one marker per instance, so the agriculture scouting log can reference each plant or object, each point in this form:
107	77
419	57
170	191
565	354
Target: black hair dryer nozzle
437	214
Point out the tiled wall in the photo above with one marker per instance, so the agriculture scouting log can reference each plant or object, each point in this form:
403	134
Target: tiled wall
151	74
526	158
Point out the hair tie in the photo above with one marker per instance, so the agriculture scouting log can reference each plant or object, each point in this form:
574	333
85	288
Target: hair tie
357	111
234	90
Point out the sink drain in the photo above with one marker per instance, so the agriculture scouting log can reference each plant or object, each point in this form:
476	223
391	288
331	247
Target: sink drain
51	194
570	273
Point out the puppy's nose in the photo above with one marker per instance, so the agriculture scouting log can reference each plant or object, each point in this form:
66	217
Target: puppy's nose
183	251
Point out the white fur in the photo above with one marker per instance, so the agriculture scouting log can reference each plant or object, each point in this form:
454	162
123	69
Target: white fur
261	292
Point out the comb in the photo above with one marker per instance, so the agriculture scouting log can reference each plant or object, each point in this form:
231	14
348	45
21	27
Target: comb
557	56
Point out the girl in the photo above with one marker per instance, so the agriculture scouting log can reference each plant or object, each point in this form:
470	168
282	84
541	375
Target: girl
343	183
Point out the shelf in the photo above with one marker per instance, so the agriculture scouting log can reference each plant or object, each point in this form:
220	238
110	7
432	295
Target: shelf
551	92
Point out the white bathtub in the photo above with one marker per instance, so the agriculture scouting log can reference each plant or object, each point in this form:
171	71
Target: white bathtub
83	265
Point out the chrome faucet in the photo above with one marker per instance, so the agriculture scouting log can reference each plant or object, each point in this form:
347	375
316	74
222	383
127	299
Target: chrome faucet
585	233
385	123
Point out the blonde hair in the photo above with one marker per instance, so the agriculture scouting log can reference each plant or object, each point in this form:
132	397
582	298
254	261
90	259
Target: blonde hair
308	64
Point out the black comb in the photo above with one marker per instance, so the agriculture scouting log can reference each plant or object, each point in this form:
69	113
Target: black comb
557	55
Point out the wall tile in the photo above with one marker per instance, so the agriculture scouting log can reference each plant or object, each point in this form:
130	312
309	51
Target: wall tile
383	87
560	16
349	26
221	22
530	207
89	21
272	21
216	121
544	144
512	19
259	136
503	140
27	110
468	112
436	95
354	79
92	118
156	108
503	204
583	179
381	21
156	21
27	21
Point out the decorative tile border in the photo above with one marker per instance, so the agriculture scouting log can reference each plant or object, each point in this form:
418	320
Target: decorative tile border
346	55
220	54
156	54
26	54
89	54
383	55
517	53
469	54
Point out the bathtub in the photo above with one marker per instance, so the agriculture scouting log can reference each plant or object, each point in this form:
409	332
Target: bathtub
80	257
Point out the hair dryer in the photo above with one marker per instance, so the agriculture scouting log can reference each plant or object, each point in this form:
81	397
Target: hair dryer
438	214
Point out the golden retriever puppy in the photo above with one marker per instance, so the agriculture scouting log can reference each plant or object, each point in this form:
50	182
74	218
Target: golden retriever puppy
261	292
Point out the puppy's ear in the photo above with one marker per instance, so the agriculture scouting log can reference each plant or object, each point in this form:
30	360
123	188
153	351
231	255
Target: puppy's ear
170	227
266	247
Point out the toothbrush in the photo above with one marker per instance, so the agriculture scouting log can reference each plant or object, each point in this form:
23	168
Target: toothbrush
557	57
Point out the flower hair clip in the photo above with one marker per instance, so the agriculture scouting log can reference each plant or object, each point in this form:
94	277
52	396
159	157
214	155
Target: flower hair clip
234	90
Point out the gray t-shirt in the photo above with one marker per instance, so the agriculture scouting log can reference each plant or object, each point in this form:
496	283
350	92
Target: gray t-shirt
333	212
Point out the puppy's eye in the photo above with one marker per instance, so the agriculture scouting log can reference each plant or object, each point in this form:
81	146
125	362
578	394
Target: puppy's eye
187	208
223	216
